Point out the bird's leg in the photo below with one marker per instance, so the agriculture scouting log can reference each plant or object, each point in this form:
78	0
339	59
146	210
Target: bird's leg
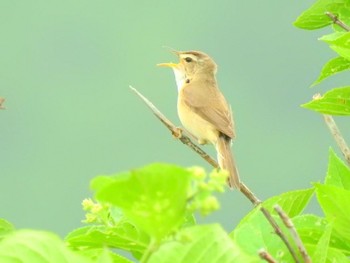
177	133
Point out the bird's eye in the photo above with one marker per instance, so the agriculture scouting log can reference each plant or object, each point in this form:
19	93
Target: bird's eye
188	59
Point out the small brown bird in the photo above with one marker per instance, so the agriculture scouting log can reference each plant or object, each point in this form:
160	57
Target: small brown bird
202	108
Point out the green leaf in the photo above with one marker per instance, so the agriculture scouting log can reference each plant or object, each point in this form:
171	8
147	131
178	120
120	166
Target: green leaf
335	204
208	243
314	17
254	232
292	202
153	197
311	228
38	247
321	251
5	228
103	255
333	102
330	38
343	15
342	51
338	173
342	45
332	67
333	255
123	236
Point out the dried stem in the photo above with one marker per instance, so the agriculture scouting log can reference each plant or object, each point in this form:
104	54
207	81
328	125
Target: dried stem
289	224
243	188
266	256
335	20
332	126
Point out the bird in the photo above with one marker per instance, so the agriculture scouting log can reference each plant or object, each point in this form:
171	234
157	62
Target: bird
203	109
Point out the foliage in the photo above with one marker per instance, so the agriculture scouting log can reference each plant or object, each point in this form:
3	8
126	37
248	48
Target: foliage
149	212
337	100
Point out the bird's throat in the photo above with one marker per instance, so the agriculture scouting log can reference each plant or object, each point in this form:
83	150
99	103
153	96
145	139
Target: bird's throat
180	78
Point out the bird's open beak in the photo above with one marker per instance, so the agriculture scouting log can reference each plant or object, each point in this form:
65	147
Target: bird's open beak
170	65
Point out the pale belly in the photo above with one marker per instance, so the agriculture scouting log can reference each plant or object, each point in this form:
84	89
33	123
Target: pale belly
204	131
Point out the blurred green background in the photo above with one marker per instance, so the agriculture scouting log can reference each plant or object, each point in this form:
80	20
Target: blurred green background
65	70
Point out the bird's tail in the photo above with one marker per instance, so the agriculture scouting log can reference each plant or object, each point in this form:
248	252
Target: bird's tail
226	160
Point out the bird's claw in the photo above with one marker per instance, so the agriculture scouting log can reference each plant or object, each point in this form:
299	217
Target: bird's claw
177	133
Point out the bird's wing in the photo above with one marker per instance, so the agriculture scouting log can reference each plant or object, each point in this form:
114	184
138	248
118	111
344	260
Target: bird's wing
211	106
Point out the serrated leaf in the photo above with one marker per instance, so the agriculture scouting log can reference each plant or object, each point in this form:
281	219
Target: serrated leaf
153	197
208	243
314	17
335	204
332	67
38	247
321	251
292	202
338	173
333	102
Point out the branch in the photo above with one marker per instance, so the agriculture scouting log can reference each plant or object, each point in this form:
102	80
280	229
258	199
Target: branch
1	102
243	188
335	20
289	224
266	256
176	131
332	126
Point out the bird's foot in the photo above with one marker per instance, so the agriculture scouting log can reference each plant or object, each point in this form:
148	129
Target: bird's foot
177	133
202	141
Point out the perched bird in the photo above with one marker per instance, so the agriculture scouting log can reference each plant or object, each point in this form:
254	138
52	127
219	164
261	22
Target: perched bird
202	109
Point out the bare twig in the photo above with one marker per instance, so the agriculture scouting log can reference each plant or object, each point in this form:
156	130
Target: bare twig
289	224
266	256
1	102
279	232
335	20
176	131
243	188
332	126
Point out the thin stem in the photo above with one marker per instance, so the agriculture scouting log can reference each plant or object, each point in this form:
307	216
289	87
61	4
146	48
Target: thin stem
153	245
289	224
332	126
279	232
176	132
243	188
335	20
266	256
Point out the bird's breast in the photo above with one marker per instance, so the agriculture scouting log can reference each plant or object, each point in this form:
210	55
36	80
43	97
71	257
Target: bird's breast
204	131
